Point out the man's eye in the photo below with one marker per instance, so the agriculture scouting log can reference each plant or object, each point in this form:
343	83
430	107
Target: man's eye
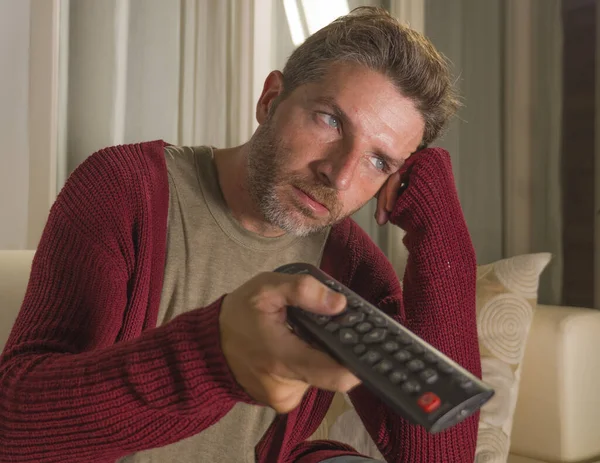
379	164
330	120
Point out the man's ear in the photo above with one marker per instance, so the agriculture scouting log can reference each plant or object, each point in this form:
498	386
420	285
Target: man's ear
272	88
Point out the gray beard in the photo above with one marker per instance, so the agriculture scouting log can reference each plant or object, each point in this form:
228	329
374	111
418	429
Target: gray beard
262	189
264	167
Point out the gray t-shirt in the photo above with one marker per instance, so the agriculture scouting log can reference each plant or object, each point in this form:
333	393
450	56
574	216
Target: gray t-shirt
209	254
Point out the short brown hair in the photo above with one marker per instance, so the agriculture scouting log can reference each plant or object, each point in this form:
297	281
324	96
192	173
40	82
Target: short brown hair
370	36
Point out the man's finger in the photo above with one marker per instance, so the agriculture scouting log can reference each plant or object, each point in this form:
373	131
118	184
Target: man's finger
304	291
392	187
380	211
318	369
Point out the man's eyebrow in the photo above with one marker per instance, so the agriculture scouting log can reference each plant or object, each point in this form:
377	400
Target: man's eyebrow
335	108
340	114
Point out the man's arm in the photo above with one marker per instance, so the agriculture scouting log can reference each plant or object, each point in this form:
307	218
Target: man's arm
438	304
74	383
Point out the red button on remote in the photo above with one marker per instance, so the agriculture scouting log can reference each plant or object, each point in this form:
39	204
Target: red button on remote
429	402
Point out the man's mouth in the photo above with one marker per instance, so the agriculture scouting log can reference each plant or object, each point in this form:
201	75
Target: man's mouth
314	205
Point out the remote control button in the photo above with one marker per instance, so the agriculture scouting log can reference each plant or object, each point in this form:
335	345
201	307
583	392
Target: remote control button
360	349
367	309
332	327
351	318
348	336
403	356
466	384
430	376
430	357
397	376
429	402
371	357
394	329
411	386
377	335
383	367
390	346
364	327
404	338
378	320
445	368
416	348
319	319
333	285
415	365
354	302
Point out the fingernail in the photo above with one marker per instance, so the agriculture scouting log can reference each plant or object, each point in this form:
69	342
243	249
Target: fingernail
383	217
335	300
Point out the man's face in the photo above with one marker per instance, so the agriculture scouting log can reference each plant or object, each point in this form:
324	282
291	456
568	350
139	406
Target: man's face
328	147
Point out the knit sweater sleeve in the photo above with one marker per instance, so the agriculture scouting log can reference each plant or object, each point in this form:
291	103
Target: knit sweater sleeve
438	304
77	380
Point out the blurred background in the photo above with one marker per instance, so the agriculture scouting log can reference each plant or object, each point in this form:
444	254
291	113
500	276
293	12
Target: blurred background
79	75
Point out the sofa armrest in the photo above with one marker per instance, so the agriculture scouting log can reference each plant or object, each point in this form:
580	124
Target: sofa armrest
14	276
557	412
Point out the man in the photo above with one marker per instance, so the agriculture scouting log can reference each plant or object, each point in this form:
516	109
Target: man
153	328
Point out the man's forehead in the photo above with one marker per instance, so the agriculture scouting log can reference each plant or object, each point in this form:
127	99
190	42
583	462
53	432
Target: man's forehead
355	86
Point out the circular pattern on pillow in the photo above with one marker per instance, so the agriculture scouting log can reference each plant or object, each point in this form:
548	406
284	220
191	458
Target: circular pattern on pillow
499	376
521	274
492	445
503	324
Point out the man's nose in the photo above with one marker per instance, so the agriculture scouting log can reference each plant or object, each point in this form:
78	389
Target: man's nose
339	168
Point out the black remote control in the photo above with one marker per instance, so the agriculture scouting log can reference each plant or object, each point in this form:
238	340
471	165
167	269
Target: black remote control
411	376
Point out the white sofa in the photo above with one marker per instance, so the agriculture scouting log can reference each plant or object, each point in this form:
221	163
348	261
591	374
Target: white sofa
558	411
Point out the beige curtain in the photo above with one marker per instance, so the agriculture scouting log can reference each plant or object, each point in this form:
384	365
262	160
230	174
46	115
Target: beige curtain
29	75
187	71
227	52
532	136
505	144
123	74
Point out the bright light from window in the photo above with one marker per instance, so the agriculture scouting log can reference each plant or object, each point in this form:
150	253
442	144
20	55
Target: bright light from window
294	21
317	13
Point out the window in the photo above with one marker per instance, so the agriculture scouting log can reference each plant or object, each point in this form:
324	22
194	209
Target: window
305	17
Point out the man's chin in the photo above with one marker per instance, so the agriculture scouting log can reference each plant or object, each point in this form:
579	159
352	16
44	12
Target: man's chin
295	218
300	224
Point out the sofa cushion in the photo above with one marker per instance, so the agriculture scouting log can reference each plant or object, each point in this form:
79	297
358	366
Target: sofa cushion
14	275
519	459
557	412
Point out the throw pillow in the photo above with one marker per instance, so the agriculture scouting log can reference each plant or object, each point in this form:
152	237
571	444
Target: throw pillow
506	301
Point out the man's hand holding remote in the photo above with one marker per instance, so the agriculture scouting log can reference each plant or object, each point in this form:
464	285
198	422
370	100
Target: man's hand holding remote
270	362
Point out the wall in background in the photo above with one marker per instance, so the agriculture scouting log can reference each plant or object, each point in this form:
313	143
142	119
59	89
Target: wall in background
14	118
579	22
29	57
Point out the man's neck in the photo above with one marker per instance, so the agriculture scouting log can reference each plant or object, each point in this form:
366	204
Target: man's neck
232	172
